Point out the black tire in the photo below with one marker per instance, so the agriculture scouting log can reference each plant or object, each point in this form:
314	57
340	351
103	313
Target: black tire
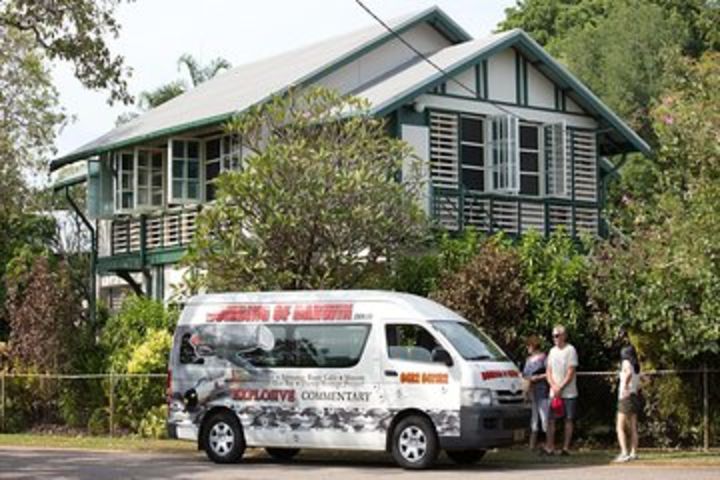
282	454
414	444
223	438
465	457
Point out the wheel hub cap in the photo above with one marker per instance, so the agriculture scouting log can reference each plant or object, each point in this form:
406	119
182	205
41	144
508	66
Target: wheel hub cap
413	444
221	438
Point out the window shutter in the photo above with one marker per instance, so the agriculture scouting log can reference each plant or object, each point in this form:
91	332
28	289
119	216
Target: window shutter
505	153
556	158
105	187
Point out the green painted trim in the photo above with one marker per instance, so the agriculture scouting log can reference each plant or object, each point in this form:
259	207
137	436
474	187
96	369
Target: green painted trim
520	38
526	100
563	101
478	86
557	98
125	262
511	104
433	15
573	219
485	78
518	91
69	182
166	255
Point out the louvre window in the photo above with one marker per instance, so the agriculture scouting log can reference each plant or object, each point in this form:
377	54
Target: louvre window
529	160
504	130
555	137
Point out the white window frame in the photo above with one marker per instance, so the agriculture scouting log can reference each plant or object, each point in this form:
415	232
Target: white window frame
504	153
230	157
151	190
555	159
183	198
119	172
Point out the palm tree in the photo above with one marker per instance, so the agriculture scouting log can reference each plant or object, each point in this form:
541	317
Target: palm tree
149	99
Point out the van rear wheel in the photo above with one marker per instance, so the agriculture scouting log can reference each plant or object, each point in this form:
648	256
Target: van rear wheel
414	443
465	457
282	454
223	438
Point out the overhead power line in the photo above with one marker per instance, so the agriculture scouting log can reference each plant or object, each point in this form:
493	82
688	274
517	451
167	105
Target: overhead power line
428	60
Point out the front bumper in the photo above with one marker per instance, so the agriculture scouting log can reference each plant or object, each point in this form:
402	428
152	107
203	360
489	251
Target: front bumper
489	427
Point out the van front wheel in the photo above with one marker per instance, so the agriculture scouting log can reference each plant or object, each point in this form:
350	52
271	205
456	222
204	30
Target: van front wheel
465	457
223	438
414	443
282	454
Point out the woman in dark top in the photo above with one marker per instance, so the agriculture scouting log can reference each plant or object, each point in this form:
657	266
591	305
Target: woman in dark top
534	374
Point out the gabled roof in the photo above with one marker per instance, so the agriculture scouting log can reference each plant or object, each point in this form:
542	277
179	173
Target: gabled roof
422	76
241	87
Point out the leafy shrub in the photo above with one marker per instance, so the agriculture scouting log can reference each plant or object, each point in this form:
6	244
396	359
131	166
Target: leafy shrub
489	292
152	424
99	421
138	340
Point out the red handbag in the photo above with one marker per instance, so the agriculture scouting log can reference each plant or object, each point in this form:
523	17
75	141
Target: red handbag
557	406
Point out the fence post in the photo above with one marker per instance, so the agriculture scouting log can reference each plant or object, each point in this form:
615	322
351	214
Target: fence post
112	404
2	401
706	408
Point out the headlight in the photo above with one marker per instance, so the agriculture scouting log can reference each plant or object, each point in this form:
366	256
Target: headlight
477	396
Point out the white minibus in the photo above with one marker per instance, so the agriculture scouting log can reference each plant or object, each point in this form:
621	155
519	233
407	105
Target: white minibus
366	370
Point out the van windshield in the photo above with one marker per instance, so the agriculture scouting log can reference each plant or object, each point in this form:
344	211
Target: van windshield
469	341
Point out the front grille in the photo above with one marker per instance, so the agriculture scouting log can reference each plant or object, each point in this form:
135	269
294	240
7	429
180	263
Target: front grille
507	397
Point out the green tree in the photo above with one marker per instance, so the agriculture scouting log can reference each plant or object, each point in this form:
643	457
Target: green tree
316	204
70	30
663	284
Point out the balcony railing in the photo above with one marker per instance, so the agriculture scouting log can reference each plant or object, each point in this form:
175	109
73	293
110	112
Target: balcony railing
457	209
166	229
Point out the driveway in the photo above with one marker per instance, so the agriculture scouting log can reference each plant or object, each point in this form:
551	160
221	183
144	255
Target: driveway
22	463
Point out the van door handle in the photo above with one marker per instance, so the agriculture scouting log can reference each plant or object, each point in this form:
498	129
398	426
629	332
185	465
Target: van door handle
391	373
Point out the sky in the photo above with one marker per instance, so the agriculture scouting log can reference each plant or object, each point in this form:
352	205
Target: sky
155	33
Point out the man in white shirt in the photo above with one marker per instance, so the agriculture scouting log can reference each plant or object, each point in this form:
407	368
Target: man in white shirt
562	362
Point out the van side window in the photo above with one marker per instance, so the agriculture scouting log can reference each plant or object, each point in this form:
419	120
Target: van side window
409	342
313	346
330	346
187	352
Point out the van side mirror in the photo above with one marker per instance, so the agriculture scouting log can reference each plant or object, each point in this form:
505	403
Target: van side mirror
440	355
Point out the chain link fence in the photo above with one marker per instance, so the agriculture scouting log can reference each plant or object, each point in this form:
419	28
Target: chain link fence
680	406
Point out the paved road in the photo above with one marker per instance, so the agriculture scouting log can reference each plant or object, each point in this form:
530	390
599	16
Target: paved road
16	463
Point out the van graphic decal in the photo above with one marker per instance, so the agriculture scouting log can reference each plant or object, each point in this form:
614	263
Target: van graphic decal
492	374
323	312
424	378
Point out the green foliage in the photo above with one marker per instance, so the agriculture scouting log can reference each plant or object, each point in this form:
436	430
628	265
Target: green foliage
153	423
129	328
622	57
316	205
420	273
138	340
489	292
74	31
99	421
664	282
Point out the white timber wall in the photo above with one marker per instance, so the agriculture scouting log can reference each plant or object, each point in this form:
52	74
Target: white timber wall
501	76
541	91
417	169
385	58
466	78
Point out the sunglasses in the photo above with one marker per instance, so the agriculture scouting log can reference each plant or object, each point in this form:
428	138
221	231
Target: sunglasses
557	335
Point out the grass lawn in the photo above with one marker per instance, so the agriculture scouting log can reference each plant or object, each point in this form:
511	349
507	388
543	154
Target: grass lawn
507	458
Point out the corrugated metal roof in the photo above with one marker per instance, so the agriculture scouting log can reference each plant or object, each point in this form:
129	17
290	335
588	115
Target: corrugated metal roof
243	86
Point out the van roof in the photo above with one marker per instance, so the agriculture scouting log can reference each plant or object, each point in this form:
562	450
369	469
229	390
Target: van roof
413	306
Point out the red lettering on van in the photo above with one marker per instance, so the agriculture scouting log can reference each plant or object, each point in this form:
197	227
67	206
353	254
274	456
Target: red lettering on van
325	312
241	313
263	395
281	312
492	374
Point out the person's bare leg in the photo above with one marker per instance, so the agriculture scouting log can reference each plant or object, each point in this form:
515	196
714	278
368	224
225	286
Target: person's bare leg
550	441
621	434
568	434
633	435
533	439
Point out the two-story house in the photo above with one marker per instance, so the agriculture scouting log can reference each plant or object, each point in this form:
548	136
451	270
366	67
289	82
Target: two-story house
509	140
